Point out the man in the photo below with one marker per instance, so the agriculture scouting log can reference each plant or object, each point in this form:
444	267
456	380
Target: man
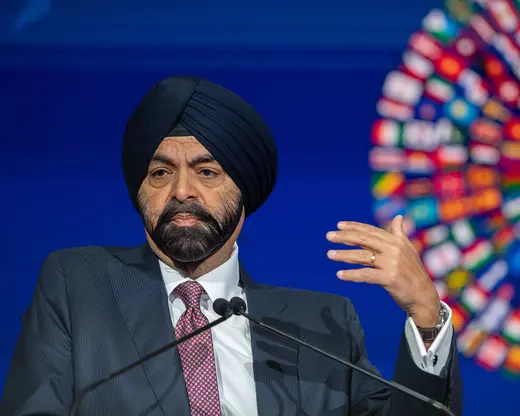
197	160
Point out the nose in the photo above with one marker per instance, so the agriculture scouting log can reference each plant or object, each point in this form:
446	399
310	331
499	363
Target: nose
183	187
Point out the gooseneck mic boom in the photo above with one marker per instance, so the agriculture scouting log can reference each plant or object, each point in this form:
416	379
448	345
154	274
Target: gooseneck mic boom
238	307
220	306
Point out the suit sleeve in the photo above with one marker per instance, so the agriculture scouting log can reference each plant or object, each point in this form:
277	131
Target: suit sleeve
369	397
40	378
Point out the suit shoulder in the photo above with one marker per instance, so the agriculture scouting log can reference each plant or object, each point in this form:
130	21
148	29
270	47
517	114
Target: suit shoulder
320	299
77	256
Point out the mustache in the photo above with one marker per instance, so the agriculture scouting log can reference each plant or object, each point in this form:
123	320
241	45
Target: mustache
174	207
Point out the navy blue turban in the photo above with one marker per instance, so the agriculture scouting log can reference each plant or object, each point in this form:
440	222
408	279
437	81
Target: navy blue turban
226	125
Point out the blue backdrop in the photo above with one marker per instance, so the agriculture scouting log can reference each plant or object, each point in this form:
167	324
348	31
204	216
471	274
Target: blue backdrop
71	72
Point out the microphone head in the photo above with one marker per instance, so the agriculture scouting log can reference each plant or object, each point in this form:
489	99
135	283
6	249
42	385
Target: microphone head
237	305
222	307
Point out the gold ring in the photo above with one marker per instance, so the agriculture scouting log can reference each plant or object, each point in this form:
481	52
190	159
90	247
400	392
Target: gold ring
372	259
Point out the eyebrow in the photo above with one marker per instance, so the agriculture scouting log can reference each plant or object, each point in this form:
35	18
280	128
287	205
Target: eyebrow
197	160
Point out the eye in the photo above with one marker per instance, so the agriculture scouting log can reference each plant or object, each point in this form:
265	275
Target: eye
207	173
159	173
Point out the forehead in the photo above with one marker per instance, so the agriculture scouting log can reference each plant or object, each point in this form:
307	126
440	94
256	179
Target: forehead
181	145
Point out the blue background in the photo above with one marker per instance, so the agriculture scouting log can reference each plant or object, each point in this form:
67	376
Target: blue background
71	73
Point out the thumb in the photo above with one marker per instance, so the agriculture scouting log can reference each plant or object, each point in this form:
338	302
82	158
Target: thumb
397	226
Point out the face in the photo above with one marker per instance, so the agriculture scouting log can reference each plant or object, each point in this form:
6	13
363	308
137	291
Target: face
189	205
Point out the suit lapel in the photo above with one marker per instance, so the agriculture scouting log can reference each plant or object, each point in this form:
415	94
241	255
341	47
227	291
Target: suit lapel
143	302
274	358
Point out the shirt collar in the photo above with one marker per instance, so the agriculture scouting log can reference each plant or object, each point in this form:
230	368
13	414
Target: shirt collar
221	282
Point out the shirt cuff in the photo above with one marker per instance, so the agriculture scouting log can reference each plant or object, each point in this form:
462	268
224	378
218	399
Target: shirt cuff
434	360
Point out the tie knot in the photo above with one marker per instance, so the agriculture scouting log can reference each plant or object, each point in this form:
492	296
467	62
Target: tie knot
190	293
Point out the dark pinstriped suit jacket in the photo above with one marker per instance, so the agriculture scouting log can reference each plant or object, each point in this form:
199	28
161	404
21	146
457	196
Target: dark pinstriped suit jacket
97	309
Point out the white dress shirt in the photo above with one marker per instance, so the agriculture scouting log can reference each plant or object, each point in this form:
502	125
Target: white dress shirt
232	338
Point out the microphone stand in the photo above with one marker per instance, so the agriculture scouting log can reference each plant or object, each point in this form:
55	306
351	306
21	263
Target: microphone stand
239	308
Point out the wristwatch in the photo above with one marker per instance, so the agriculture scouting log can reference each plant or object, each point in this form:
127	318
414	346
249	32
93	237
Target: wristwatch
429	334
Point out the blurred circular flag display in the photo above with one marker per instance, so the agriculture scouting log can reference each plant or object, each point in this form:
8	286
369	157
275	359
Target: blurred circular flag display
446	155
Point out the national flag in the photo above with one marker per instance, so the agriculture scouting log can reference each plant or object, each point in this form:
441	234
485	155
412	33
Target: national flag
493	66
511	180
504	14
511	207
511	328
441	259
440	26
419	162
495	110
492	353
482	28
457	280
386	158
463	233
491	276
387	184
402	88
461	111
392	109
386	209
494	221
434	236
486	200
449	66
423	212
466	46
459	316
417	65
512	129
386	132
439	89
502	239
512	362
449	184
425	135
461	10
418	187
425	45
470	339
451	156
474	298
477	255
484	154
498	309
476	89
486	131
510	155
427	109
454	209
479	177
508	91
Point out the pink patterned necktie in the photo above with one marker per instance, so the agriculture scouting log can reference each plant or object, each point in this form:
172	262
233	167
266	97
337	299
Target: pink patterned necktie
197	357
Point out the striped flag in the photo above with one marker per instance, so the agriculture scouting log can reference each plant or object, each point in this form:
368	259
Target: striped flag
477	255
504	14
387	184
451	156
402	88
418	188
470	339
486	200
510	155
483	153
381	158
486	131
479	177
495	110
492	353
386	133
441	259
463	233
392	109
511	329
474	298
417	65
425	45
439	89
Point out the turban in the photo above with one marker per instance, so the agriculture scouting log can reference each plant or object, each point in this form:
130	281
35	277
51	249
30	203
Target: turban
225	124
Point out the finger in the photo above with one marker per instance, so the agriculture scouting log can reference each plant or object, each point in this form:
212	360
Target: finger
365	228
365	275
356	238
397	227
364	257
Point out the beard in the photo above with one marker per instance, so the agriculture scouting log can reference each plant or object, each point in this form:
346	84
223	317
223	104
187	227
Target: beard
194	243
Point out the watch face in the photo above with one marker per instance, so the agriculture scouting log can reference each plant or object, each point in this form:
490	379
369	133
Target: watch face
446	156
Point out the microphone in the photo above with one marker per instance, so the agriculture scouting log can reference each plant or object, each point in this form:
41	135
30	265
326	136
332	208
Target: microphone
238	307
220	306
